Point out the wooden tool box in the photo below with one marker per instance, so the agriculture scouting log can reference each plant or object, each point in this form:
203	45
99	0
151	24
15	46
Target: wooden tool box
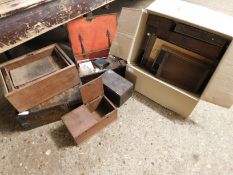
38	76
91	38
50	110
116	88
96	113
204	32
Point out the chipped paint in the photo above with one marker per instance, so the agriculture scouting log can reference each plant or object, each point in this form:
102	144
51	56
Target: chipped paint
21	27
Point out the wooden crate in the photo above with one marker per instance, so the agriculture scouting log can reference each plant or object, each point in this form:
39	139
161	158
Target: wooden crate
38	76
96	113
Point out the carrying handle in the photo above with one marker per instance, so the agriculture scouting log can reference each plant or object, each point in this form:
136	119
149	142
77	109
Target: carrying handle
108	34
82	46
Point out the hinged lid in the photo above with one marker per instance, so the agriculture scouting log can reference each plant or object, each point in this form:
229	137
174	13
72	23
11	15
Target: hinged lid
92	90
92	37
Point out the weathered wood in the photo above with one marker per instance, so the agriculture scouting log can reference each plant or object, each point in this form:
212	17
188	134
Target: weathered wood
10	7
205	49
200	35
33	71
66	98
51	110
33	120
95	114
116	64
116	88
42	89
21	27
92	90
33	93
182	70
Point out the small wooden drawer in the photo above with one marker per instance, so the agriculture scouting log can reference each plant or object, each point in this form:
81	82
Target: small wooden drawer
117	88
38	76
96	113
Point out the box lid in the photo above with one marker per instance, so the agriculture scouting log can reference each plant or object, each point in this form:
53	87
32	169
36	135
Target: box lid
92	90
92	37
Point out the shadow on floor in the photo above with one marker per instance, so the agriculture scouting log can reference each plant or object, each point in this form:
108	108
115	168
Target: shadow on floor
62	137
172	116
8	121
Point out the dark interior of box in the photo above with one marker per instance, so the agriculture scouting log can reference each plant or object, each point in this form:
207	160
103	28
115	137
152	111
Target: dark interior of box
100	107
180	54
35	66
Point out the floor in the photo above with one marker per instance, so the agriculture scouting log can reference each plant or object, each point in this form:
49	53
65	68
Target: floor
146	139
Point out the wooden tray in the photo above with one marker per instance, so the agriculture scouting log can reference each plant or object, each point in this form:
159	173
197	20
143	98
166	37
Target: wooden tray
38	76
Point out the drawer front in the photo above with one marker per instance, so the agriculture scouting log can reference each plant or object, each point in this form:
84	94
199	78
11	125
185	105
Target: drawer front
160	92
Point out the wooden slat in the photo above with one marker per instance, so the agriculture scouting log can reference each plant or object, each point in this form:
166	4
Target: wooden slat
19	28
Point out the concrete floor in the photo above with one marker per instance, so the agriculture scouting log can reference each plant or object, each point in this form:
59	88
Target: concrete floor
146	139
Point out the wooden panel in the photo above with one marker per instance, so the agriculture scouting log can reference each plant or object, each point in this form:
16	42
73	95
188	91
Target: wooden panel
43	89
160	43
181	70
67	97
10	7
37	119
2	84
161	92
220	88
19	28
116	88
79	121
205	49
92	90
98	127
200	35
160	22
28	58
35	70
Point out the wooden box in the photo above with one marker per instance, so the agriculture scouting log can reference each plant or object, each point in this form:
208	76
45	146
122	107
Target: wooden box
96	113
51	110
116	64
116	88
132	27
34	78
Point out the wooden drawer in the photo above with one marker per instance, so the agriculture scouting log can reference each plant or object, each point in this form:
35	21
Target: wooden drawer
38	76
